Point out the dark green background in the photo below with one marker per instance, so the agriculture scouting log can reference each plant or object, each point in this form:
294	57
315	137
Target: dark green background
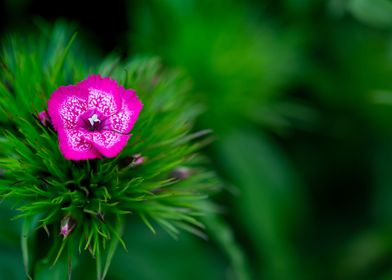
299	94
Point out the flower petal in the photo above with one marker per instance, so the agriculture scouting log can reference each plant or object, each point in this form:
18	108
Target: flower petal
74	146
103	94
65	105
108	143
124	120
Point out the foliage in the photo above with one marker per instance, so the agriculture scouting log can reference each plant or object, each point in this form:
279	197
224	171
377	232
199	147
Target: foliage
298	94
290	87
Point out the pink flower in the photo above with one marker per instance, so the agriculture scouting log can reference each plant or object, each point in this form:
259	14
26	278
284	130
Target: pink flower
93	118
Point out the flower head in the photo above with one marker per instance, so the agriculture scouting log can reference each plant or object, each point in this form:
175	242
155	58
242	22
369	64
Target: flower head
93	118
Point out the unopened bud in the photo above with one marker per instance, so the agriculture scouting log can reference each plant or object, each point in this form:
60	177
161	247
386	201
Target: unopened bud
138	159
180	173
133	161
44	118
67	225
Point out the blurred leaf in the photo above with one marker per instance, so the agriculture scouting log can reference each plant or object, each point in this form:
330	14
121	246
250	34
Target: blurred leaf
337	7
381	206
11	263
56	272
382	97
224	236
161	257
362	254
377	13
270	200
11	260
10	229
300	7
237	65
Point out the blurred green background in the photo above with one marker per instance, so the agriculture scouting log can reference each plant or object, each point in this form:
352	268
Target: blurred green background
299	95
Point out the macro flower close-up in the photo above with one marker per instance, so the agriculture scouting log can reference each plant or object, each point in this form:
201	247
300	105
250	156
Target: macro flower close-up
213	140
93	118
86	159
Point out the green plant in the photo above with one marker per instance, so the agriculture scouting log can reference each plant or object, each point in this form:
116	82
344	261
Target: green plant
91	199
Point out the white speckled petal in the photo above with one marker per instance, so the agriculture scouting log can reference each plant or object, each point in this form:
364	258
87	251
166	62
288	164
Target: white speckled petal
108	143
124	120
75	146
66	104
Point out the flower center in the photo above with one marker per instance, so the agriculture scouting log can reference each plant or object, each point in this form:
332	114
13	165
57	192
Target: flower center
93	123
94	119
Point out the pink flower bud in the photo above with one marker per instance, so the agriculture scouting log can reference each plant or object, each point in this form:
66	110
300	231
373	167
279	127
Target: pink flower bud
44	118
67	225
138	159
180	173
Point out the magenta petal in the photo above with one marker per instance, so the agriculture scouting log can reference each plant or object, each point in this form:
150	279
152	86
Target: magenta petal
74	146
103	94
124	120
108	143
65	105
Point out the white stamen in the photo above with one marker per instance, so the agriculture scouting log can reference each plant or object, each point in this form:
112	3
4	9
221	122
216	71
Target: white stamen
94	119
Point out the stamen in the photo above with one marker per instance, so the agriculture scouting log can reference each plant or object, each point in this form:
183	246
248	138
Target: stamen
94	119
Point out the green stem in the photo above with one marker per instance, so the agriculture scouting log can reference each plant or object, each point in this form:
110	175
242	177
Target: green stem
25	246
